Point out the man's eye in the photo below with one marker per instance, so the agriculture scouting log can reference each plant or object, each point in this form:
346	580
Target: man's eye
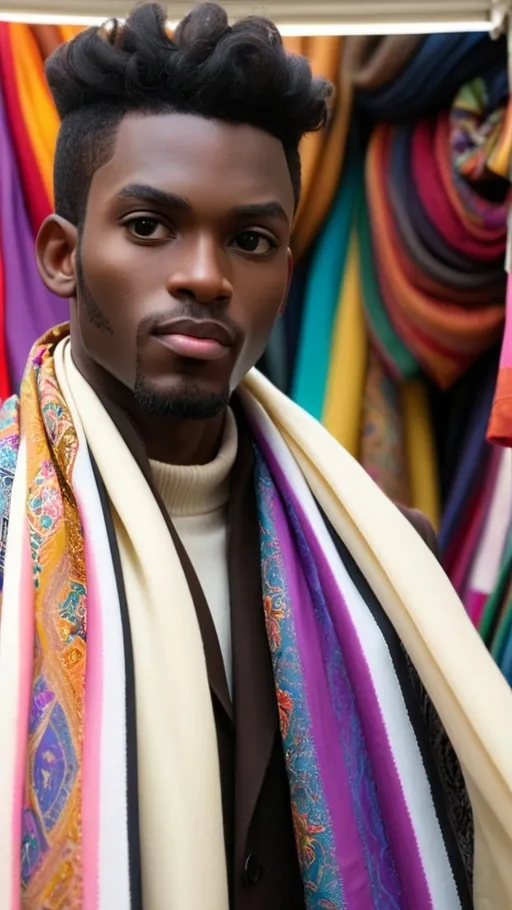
254	242
148	228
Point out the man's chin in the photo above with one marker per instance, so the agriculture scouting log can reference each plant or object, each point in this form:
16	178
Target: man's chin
189	402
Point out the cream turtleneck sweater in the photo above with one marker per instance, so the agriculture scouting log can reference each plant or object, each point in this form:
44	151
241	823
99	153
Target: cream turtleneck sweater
196	498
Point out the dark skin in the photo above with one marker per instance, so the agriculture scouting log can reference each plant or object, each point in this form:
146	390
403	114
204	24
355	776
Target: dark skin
189	217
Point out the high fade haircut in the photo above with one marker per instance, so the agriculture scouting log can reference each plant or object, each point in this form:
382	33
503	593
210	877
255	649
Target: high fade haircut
239	74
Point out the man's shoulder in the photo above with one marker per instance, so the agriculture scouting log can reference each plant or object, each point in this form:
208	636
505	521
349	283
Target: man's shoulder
422	525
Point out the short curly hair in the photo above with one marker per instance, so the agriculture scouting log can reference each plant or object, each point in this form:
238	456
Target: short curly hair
239	74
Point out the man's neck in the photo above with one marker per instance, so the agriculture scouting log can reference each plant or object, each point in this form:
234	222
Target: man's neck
181	442
170	440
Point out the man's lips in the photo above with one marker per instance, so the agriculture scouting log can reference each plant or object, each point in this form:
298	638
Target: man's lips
204	339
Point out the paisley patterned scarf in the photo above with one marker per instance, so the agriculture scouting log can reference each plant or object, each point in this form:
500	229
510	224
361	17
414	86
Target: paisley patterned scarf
372	829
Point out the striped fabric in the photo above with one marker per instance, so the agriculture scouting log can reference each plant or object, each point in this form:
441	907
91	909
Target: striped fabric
381	815
369	832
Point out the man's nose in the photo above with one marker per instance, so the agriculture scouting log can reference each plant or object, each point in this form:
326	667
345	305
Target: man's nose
201	273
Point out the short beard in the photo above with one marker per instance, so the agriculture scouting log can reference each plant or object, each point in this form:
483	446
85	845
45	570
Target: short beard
190	403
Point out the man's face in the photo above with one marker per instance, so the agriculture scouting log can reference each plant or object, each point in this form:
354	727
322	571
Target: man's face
183	261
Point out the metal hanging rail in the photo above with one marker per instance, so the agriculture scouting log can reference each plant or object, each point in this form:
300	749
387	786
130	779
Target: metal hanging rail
294	16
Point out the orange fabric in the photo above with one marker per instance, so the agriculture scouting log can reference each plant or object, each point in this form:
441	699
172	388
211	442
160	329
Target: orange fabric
68	32
295	45
36	105
500	424
48	39
500	159
445	338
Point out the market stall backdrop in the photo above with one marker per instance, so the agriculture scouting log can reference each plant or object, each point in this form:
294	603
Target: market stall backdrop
396	316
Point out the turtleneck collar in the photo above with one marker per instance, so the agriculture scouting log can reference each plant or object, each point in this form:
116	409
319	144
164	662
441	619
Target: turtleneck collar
199	489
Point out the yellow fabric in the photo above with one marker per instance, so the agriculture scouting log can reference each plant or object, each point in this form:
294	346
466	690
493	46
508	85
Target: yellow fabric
36	105
420	448
179	778
465	685
345	384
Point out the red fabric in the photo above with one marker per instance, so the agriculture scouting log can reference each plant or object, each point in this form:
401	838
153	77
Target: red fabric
433	179
444	337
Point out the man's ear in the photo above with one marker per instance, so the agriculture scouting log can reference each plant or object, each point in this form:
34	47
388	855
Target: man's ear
56	247
290	276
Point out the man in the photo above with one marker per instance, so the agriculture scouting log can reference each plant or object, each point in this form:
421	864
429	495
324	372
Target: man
214	625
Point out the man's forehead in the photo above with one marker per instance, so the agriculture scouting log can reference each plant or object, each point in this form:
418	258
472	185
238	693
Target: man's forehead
167	148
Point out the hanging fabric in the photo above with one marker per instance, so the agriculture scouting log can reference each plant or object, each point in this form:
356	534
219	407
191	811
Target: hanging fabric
312	213
323	282
342	408
434	74
372	61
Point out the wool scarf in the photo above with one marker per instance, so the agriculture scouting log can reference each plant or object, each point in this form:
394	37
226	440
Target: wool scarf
86	561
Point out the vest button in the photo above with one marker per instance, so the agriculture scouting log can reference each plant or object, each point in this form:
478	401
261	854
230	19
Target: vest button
252	869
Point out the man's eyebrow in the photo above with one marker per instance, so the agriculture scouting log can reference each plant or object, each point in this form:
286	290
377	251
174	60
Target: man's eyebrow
272	209
146	193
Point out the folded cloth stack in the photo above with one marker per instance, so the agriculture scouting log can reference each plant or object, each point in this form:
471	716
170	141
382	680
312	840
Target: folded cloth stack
435	69
438	208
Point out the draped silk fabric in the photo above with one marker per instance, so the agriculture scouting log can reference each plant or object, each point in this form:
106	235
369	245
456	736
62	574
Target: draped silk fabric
323	153
311	605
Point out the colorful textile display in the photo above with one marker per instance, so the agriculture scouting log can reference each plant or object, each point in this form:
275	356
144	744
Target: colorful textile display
28	307
350	738
433	75
445	317
500	423
383	450
322	154
372	61
321	294
399	282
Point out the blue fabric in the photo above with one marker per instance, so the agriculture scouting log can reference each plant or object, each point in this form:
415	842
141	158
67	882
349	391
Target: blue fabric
274	362
293	314
322	290
468	470
441	64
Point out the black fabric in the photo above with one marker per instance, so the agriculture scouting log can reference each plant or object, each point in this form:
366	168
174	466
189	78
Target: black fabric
262	864
132	775
449	792
266	867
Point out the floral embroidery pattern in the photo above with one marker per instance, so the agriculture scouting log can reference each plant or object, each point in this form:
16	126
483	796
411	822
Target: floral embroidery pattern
51	873
314	838
9	444
343	847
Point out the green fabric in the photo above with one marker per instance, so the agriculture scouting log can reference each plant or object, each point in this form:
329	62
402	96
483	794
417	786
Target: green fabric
322	292
388	341
502	632
487	625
